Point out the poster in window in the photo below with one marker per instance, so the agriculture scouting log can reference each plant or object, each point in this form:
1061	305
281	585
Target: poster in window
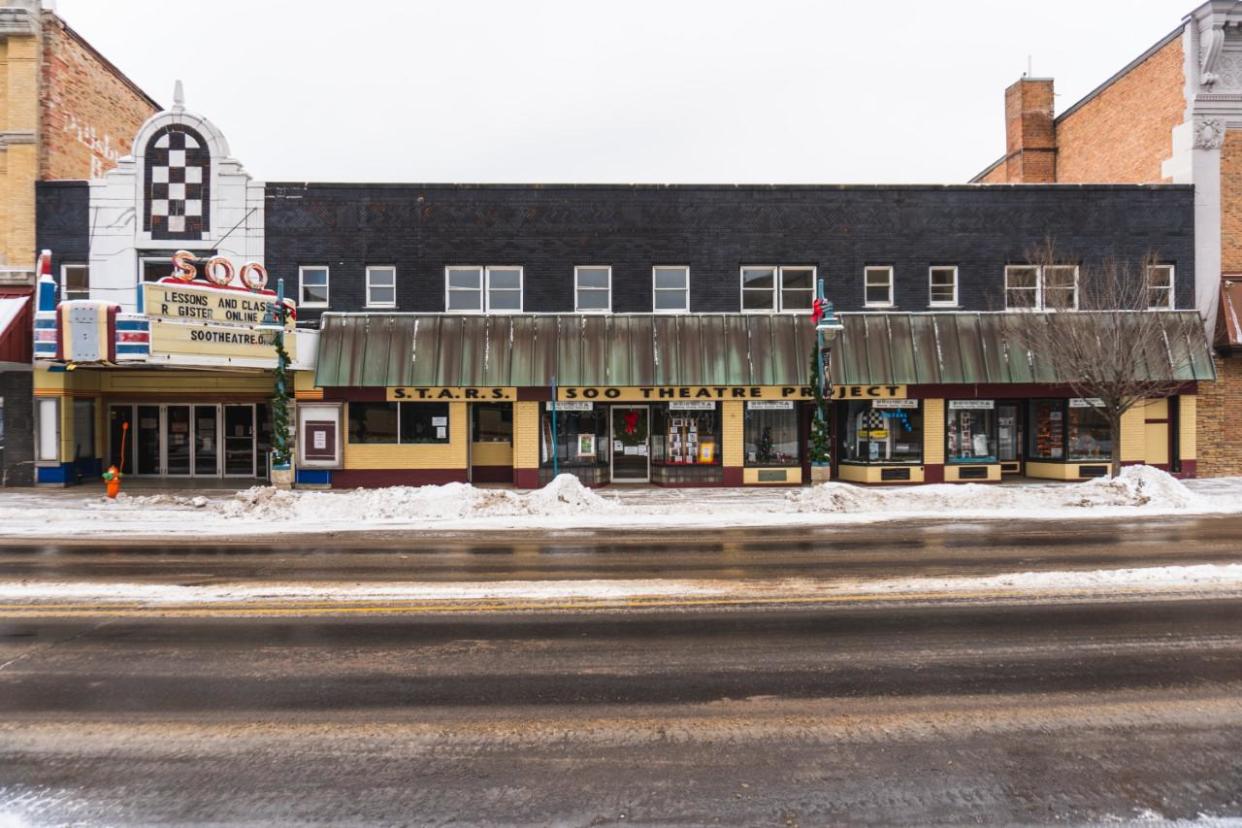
586	445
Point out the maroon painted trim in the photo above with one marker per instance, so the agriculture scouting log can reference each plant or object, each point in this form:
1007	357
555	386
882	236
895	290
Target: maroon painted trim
111	346
353	478
733	476
1006	391
933	473
534	393
491	474
60	333
526	478
340	394
1189	468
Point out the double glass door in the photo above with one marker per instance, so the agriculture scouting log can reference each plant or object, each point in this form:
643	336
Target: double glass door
189	440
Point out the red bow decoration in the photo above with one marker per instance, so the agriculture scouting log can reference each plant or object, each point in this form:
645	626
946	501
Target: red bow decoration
631	422
817	311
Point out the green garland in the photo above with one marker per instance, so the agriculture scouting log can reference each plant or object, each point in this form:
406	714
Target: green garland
639	437
281	453
820	428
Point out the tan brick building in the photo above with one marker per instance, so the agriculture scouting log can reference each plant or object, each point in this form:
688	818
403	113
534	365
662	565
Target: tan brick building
1174	114
65	113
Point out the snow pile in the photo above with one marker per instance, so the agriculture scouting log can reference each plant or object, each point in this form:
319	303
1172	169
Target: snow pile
565	495
1137	487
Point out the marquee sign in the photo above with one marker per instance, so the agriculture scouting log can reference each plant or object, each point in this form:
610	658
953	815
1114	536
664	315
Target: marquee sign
199	303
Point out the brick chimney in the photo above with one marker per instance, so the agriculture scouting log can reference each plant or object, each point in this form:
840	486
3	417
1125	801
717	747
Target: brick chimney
1030	133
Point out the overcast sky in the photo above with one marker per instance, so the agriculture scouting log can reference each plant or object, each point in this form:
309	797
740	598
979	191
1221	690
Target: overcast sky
626	91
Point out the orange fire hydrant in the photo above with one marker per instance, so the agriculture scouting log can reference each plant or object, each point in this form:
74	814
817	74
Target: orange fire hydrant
112	479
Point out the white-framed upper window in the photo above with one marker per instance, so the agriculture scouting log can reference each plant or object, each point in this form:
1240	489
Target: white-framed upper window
1160	287
381	286
777	288
1047	287
483	289
942	286
670	289
75	282
593	289
313	286
878	286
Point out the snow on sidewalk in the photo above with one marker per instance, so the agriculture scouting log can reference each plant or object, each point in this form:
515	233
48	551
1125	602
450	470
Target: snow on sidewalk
1202	579
566	504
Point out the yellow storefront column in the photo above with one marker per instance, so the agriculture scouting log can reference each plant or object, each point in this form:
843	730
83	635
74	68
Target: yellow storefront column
526	444
733	448
1187	434
1134	434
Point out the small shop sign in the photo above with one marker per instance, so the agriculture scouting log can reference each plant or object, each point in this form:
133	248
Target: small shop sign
1088	402
770	405
692	405
577	405
438	393
895	403
972	405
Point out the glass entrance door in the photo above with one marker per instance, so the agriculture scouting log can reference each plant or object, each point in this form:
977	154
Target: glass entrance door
206	440
239	454
177	440
1008	438
147	440
631	438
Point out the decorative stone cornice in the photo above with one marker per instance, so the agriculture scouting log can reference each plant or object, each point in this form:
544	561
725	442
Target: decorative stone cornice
19	18
13	137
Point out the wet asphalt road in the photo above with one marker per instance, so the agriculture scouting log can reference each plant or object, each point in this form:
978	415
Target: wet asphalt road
959	714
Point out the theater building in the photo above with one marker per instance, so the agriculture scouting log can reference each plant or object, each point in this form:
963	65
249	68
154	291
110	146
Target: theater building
622	334
162	376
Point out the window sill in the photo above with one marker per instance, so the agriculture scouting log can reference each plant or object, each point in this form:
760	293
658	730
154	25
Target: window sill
312	305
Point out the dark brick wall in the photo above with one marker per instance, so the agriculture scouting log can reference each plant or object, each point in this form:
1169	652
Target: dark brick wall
62	221
17	442
714	230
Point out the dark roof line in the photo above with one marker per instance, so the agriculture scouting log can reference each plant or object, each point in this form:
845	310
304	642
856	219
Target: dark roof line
306	185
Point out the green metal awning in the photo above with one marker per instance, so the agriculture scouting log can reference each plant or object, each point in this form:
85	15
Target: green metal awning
982	348
441	350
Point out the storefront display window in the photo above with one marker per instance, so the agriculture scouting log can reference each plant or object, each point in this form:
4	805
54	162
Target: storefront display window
1090	437
771	433
883	431
492	422
580	437
686	436
393	423
970	430
1047	429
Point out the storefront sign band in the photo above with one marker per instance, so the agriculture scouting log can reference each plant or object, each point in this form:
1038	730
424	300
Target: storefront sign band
667	393
441	393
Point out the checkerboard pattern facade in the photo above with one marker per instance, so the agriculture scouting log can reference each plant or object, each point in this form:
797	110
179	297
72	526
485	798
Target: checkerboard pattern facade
178	180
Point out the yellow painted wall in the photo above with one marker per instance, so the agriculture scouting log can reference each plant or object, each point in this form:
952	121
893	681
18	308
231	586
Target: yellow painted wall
1060	471
933	431
1156	435
733	425
1134	435
1188	444
871	474
450	455
526	435
952	473
491	454
793	476
304	387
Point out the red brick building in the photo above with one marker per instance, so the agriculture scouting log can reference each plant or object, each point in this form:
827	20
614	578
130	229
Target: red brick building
1173	114
65	113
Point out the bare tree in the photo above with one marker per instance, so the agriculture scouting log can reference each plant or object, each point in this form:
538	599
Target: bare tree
1112	337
